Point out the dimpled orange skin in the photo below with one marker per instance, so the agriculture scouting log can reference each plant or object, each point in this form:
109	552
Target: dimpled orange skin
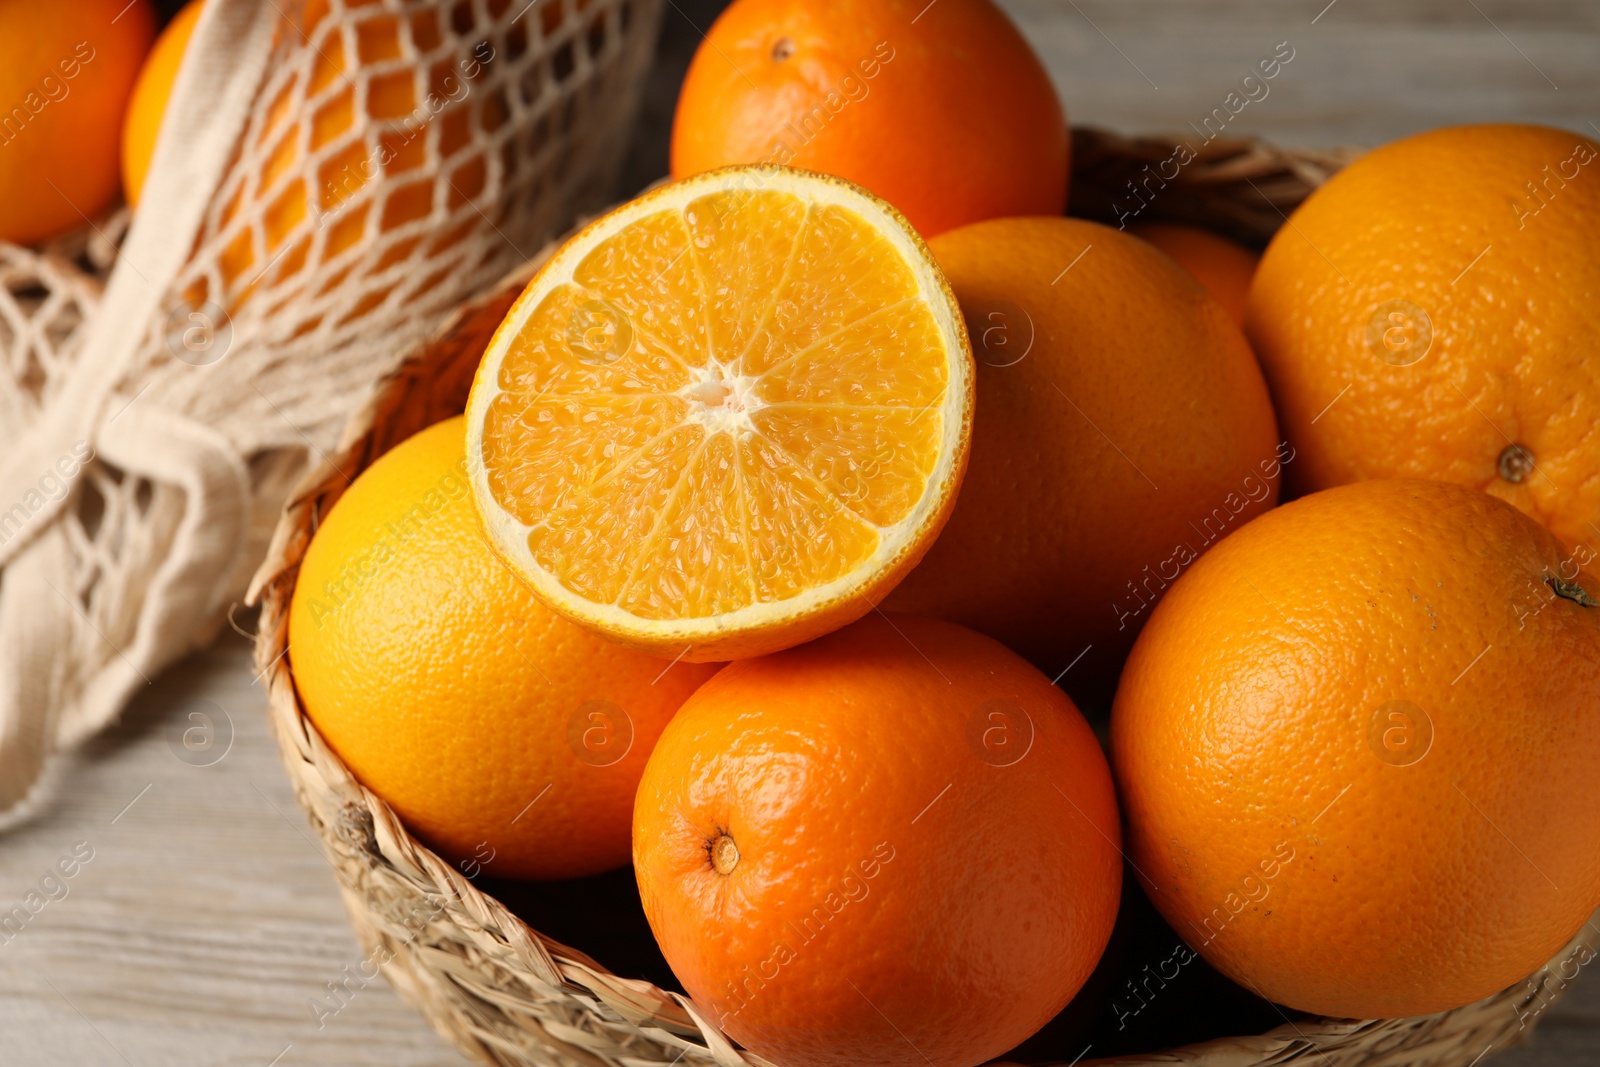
1512	357
951	117
900	897
59	169
454	694
1224	268
1134	432
1306	841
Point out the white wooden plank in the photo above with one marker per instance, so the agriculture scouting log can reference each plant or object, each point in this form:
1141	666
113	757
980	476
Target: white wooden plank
207	917
1368	71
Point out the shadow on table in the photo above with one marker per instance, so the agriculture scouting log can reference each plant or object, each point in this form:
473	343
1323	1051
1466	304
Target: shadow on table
1149	992
600	915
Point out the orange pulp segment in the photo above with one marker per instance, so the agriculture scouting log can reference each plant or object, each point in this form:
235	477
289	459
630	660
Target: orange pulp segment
727	417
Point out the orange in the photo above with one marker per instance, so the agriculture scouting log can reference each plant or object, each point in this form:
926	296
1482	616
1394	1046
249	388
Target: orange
1356	746
1122	429
940	108
507	738
726	417
65	74
897	845
1224	268
1431	312
367	126
149	101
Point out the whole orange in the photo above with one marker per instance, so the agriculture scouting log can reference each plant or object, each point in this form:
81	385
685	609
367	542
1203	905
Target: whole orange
1356	746
942	109
151	92
65	74
1122	428
507	738
1223	267
895	845
1431	312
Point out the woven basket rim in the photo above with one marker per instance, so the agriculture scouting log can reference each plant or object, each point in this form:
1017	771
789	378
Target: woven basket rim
633	1023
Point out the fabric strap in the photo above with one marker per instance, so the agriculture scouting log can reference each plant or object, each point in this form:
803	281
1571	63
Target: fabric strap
210	105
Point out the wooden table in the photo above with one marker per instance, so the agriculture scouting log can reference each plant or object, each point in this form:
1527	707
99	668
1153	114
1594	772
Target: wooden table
207	918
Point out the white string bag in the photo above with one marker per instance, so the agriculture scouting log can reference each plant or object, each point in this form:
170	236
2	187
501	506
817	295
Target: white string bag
332	177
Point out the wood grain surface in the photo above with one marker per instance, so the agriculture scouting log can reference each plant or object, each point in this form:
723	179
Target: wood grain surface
207	921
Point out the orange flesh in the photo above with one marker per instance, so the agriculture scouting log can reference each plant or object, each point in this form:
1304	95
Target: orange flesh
728	404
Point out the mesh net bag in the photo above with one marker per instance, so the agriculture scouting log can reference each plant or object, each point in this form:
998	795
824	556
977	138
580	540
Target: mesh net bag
332	178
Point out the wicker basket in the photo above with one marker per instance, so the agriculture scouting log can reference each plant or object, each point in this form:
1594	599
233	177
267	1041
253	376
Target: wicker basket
506	994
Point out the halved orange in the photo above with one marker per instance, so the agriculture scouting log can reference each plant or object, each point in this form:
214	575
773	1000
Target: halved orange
727	417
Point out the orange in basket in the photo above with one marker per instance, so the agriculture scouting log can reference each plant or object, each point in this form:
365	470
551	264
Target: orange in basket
727	417
1123	428
1356	749
896	845
1431	312
1224	268
508	738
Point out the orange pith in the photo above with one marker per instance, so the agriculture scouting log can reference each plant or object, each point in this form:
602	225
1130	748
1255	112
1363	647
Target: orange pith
736	399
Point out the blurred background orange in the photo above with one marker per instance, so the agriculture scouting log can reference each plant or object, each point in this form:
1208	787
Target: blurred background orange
65	75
